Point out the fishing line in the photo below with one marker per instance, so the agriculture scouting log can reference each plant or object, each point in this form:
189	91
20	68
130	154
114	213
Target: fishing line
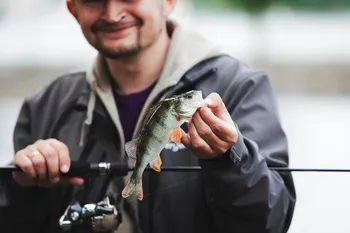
279	169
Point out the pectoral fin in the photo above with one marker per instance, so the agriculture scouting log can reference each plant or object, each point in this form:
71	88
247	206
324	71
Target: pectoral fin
156	163
130	149
176	135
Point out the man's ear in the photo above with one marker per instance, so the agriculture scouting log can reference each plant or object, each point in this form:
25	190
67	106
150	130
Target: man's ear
70	7
169	6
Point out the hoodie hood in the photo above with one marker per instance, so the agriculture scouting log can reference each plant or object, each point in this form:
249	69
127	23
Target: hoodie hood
186	50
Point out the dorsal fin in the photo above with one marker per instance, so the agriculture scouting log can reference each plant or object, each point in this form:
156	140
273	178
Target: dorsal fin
151	111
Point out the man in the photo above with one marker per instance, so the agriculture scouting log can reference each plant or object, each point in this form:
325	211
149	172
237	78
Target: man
143	58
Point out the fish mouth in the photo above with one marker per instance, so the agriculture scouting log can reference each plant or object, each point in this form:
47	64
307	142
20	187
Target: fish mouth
191	112
188	114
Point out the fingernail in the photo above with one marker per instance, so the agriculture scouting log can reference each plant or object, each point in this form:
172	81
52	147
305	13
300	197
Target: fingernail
55	180
207	102
204	109
64	168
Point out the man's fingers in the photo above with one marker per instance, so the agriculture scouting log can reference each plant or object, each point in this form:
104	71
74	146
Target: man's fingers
22	161
204	131
197	142
218	107
39	163
24	179
214	102
76	180
220	128
52	160
185	139
63	155
72	180
46	160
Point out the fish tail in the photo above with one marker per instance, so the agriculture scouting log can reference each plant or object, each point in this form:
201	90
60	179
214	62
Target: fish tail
134	184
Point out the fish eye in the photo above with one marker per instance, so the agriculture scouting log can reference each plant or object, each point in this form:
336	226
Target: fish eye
188	97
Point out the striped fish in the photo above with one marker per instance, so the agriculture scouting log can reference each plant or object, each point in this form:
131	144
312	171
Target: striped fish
160	126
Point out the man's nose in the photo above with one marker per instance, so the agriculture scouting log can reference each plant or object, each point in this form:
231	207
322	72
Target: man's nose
114	11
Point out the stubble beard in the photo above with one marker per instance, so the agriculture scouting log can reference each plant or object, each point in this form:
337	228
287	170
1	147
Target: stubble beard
118	53
131	51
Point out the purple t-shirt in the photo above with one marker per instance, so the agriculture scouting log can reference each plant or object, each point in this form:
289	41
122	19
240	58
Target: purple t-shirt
129	108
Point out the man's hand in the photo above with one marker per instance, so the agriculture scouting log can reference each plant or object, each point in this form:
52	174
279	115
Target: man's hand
42	164
211	130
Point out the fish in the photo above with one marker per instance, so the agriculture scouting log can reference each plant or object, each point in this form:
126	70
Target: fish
161	125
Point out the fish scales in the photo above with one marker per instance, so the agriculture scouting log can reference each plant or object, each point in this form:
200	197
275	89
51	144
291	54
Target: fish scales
152	138
161	125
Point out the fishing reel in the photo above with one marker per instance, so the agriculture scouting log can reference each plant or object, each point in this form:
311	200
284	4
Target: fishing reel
100	217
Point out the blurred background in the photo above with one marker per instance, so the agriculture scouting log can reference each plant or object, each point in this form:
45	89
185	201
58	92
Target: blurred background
304	46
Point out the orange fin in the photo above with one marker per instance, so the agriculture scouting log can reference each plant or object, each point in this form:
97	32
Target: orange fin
176	135
156	163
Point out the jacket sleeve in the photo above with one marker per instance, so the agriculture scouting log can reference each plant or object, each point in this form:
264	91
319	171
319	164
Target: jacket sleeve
22	209
244	194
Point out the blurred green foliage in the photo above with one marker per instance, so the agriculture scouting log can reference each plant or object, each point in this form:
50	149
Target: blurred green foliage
256	6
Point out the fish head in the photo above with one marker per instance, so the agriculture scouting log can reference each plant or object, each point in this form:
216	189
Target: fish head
186	104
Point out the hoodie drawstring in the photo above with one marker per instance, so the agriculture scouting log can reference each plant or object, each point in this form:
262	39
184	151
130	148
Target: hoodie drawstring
89	117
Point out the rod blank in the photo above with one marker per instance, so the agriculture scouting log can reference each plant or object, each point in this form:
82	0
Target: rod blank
81	169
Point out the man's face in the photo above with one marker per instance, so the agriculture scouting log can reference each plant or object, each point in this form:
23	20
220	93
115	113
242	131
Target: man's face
120	28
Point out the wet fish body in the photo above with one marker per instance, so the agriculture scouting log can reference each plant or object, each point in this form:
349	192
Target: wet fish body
161	125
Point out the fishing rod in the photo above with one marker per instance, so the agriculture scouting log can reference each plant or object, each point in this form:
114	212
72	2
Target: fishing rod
81	169
106	215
